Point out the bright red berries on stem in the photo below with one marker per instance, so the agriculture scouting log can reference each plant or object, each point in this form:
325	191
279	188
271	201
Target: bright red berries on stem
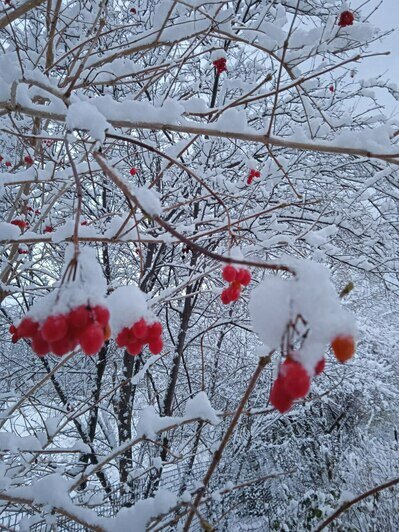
293	382
220	65
252	174
139	334
237	277
20	223
346	18
133	171
61	333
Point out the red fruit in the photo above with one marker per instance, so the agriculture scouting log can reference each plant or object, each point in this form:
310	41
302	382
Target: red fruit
279	397
346	18
37	212
27	328
244	276
19	223
39	345
133	11
101	314
22	251
92	339
54	328
12	329
85	222
29	209
48	229
133	171
220	65
249	180
295	378
1	158
225	296
154	331
107	332
229	273
124	337
134	347
155	346
343	347
79	317
235	291
28	159
8	163
140	329
63	346
15	338
319	368
331	88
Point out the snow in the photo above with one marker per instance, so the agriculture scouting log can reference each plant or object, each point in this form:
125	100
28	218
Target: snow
9	231
148	199
200	407
127	304
84	115
276	302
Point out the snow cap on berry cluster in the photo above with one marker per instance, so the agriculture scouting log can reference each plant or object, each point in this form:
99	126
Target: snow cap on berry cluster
127	305
88	287
220	53
310	294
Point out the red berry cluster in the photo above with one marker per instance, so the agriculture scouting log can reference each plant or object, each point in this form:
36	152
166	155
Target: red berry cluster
237	278
28	160
293	382
140	333
22	224
346	18
23	251
60	334
220	65
133	171
48	229
252	174
32	210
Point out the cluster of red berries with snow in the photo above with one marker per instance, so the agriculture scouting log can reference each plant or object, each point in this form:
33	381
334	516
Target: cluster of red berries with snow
22	224
346	18
139	334
252	174
220	65
293	381
62	333
237	277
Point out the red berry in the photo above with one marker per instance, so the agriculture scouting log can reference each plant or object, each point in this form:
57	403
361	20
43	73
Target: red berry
343	347
27	328
101	314
39	345
244	276
249	180
295	379
235	291
140	329
229	273
1	158
48	229
154	331
225	296
19	223
124	337
54	328
133	171
133	11
22	251
12	329
346	18
15	338
63	346
85	222
92	339
79	317
28	159
134	347
220	65
331	88
155	346
279	397
8	163
319	368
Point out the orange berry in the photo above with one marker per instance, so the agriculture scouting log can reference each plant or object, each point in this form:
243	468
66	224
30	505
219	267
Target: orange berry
343	347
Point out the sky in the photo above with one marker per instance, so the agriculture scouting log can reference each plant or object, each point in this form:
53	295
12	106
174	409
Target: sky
385	18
